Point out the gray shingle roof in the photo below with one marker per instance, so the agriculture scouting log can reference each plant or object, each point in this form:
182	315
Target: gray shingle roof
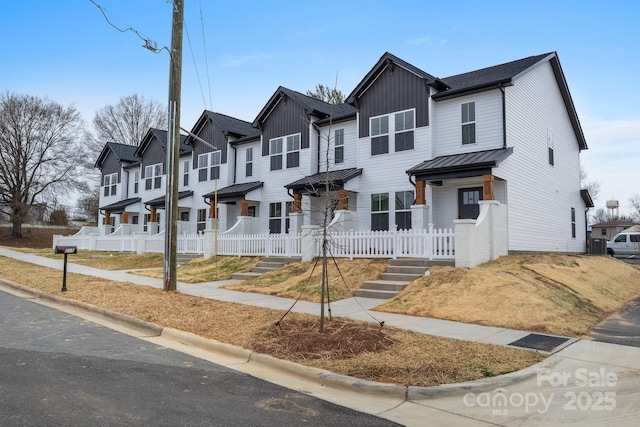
158	202
161	136
490	76
120	205
316	183
457	165
232	125
123	152
234	192
313	106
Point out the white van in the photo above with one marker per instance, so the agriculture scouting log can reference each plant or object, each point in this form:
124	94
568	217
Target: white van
625	243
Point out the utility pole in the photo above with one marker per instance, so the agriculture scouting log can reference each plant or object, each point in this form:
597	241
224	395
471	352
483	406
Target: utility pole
173	148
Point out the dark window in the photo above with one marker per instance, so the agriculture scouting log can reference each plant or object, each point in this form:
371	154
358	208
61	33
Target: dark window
201	219
252	211
604	231
135	220
288	208
136	180
339	146
379	135
184	216
551	160
185	174
275	151
404	125
380	211
248	162
293	151
468	198
573	223
404	200
621	238
275	218
468	123
635	238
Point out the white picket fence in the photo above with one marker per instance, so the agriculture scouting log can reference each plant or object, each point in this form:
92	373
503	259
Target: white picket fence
431	244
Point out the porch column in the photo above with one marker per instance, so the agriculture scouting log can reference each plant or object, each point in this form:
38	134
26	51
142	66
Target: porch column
213	210
107	218
420	211
487	184
297	203
152	215
244	207
343	200
421	198
125	217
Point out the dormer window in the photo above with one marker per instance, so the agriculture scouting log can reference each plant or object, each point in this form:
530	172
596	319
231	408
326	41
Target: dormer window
110	184
404	125
153	176
209	166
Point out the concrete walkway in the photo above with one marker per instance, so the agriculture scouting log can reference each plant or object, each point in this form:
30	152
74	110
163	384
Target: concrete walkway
584	383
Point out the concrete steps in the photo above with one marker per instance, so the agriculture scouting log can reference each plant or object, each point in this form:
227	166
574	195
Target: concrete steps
400	272
182	259
264	266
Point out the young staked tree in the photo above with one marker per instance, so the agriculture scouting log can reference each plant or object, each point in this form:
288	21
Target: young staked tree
39	153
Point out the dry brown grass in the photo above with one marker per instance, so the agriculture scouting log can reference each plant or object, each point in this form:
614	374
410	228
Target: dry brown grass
347	347
207	270
296	279
557	294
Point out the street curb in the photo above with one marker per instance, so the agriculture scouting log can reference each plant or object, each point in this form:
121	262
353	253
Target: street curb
147	328
323	377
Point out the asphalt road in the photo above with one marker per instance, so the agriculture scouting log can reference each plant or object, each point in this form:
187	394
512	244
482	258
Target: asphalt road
59	370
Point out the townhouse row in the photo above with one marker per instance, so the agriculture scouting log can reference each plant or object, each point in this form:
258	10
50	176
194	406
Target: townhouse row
406	149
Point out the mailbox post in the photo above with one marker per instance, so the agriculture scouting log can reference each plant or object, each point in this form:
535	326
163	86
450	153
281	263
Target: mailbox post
66	250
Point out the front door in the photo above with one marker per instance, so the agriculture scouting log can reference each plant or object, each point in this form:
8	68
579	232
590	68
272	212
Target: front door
468	198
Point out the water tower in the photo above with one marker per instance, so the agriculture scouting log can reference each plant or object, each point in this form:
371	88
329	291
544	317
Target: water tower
612	207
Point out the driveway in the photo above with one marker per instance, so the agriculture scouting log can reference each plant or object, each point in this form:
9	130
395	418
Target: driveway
622	327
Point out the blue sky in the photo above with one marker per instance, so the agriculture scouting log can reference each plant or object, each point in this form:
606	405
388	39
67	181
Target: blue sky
243	50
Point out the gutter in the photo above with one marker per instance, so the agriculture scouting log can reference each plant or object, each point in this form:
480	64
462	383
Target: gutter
504	117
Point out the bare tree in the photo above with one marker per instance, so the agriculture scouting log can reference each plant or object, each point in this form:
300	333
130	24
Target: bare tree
128	121
593	187
327	94
635	202
39	153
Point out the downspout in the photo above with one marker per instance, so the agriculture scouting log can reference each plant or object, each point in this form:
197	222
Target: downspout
504	117
235	162
414	187
318	150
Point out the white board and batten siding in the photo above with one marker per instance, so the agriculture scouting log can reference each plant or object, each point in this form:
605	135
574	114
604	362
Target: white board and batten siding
540	195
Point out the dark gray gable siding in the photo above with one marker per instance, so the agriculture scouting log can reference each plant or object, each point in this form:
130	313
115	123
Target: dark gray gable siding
110	165
153	154
213	134
395	89
287	118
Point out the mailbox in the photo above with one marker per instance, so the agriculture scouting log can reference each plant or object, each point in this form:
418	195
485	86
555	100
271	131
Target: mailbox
66	249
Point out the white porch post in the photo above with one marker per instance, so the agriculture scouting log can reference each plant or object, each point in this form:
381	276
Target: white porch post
309	247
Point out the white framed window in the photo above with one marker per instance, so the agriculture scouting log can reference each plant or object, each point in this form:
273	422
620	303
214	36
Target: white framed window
136	182
468	121
293	151
380	211
338	146
288	209
379	131
153	176
404	126
275	154
209	166
201	219
110	183
248	158
275	218
185	173
404	200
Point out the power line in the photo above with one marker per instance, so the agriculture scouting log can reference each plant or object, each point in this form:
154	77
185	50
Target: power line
206	60
193	57
148	43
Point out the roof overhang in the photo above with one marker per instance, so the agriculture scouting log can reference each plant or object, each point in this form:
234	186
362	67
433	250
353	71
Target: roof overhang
234	193
463	165
318	183
586	198
160	201
120	206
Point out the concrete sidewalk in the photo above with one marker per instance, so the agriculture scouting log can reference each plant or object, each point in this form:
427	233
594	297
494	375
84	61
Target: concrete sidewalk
581	383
